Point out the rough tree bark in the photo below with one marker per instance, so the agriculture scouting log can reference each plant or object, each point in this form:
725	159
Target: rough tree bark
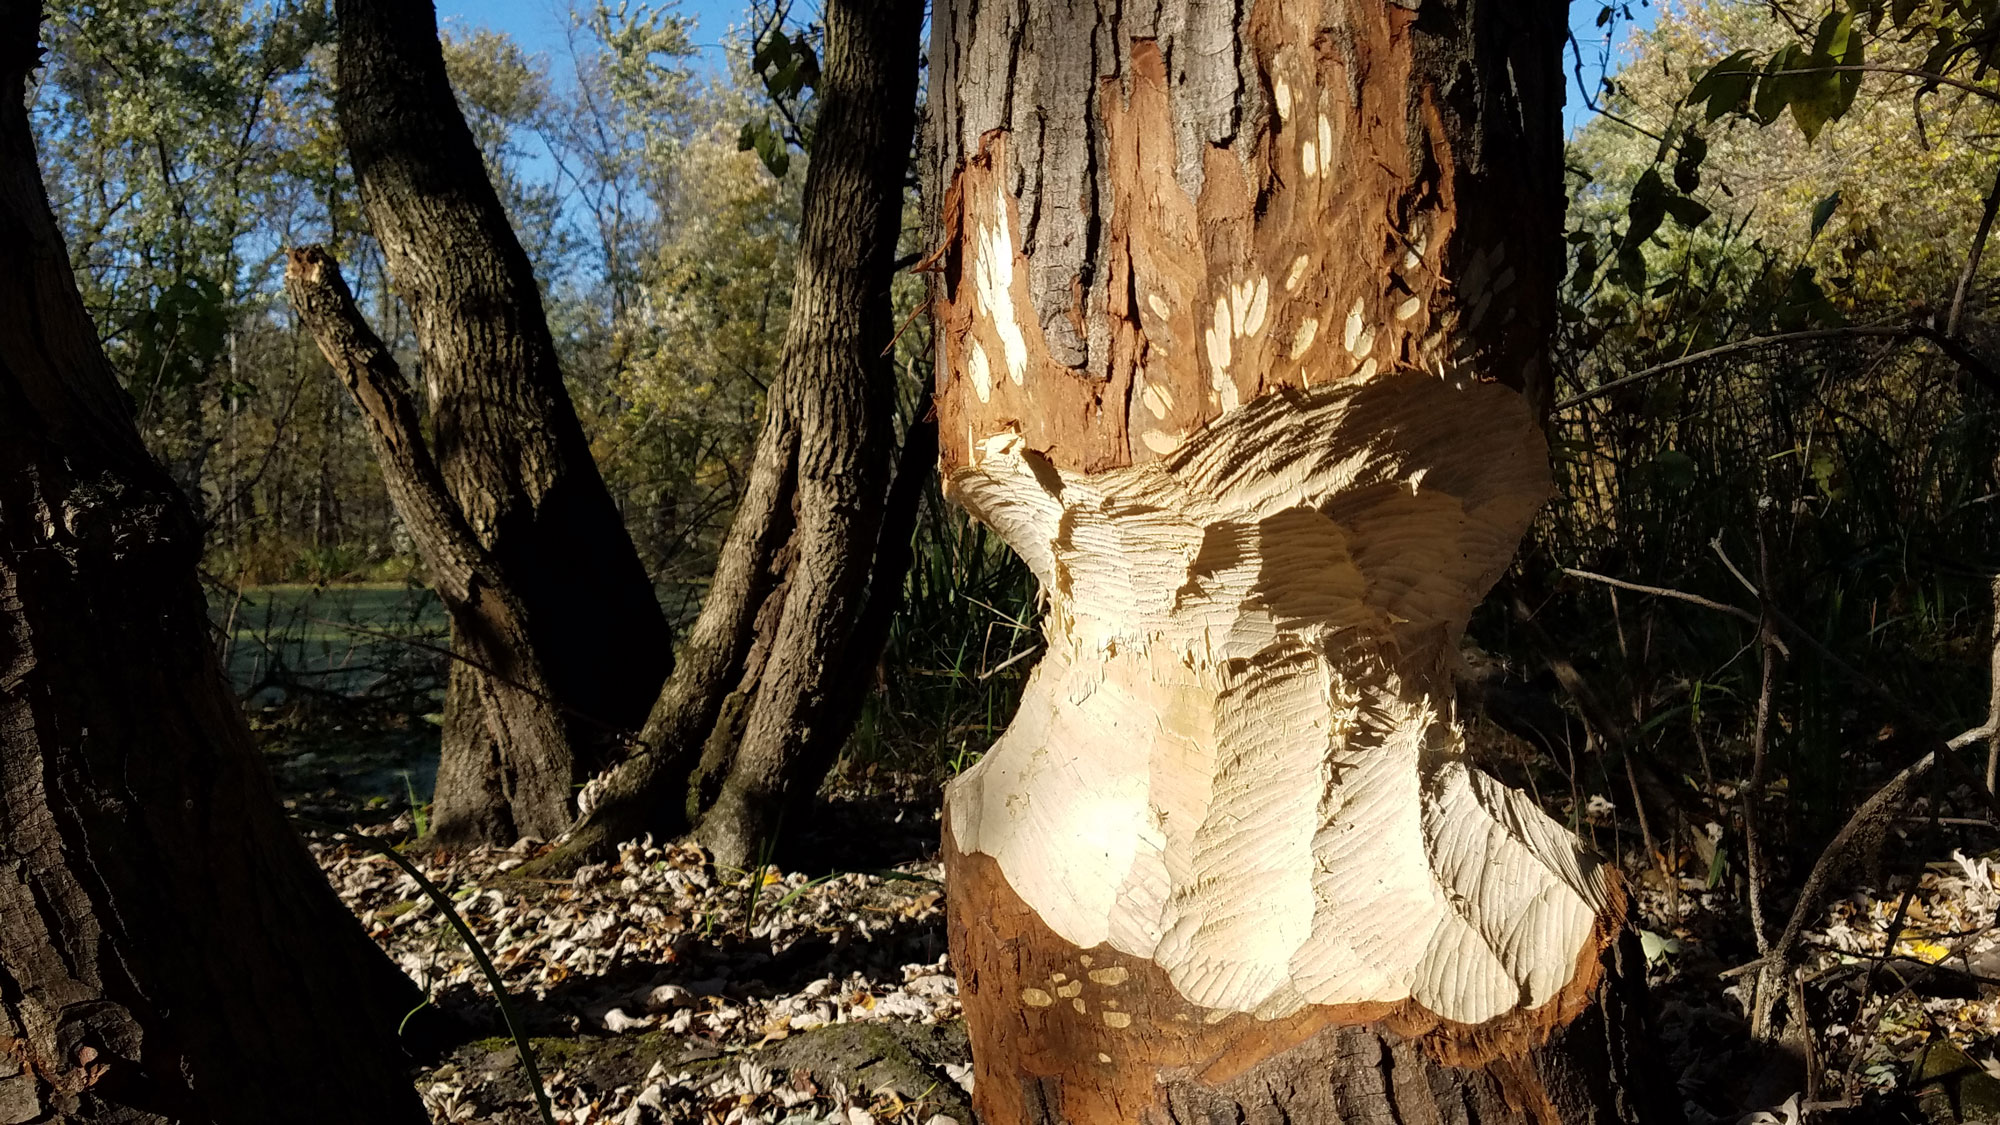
168	951
771	677
1242	313
512	457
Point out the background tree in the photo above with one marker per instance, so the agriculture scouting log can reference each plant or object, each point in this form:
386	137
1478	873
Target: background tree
162	933
1247	362
549	685
773	672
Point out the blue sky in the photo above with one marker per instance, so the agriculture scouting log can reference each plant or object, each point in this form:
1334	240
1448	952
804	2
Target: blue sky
539	25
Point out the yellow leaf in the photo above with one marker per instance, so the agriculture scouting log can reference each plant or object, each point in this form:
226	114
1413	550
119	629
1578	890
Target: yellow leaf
1928	951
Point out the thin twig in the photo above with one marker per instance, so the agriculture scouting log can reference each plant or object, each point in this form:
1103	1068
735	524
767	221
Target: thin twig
1753	790
514	1026
1972	258
1992	728
1009	662
1956	351
1664	592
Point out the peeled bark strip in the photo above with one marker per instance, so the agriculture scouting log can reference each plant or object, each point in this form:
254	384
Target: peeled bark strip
511	452
168	951
786	632
1246	363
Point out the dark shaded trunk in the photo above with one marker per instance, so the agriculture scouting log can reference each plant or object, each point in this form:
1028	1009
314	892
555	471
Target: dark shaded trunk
500	677
1242	319
511	454
782	632
168	950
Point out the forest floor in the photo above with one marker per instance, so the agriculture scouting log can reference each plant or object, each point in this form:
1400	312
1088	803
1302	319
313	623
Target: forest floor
658	989
817	989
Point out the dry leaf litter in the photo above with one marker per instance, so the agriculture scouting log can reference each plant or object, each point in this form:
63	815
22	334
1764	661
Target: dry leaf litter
1886	975
713	964
723	967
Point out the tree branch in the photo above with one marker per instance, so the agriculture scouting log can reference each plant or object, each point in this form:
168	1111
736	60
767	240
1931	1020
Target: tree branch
1930	77
488	611
364	366
1664	592
1972	259
1959	354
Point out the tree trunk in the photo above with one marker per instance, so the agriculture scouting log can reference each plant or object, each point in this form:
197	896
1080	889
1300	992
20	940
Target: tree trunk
168	951
788	629
1245	359
513	458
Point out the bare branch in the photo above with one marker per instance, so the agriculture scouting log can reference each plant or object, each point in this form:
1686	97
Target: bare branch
363	363
1972	259
1959	354
1664	592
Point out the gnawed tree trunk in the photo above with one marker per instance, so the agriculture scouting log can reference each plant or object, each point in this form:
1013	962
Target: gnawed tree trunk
168	951
772	675
515	465
1245	360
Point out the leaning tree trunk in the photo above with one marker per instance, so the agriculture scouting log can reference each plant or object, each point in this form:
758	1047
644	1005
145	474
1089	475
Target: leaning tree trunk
513	458
168	951
773	673
1242	314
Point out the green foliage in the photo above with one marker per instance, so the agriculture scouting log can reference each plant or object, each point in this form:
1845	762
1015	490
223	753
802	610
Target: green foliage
1862	467
960	649
786	63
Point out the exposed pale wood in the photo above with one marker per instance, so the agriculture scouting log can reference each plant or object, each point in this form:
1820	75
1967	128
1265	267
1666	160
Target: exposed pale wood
1246	360
1230	762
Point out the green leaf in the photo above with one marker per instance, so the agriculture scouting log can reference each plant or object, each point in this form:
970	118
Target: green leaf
1822	211
1834	33
1687	165
1804	304
1827	475
1585	271
1817	98
1726	85
774	51
1774	87
1674	469
1631	271
769	144
1687	212
1647	208
1656	946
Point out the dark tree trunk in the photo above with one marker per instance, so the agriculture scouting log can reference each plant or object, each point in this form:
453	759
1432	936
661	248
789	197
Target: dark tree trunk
787	634
1242	318
168	951
512	456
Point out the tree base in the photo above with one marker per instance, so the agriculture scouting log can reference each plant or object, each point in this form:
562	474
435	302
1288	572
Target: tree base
1099	1037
